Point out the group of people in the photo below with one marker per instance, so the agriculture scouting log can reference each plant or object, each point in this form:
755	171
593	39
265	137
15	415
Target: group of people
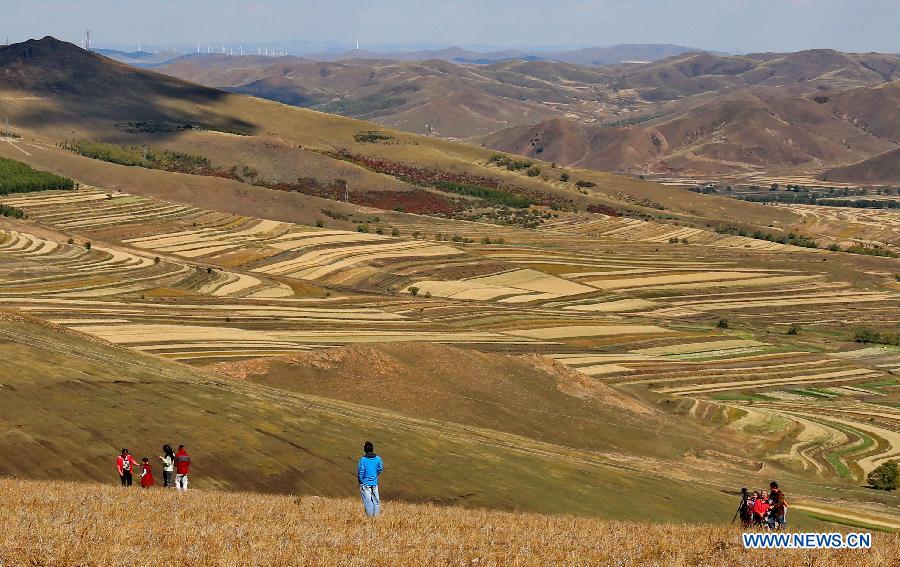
763	509
176	467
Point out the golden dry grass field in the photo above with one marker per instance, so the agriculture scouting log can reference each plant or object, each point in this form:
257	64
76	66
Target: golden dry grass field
65	523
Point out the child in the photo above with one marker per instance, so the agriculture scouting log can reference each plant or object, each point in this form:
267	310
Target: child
146	474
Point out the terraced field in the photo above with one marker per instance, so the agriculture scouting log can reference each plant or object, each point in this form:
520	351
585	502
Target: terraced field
865	226
611	298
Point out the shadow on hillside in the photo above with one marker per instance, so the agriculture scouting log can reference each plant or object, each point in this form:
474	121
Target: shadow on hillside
73	87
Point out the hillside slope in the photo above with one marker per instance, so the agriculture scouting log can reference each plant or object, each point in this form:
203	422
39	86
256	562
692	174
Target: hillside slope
108	90
881	169
428	97
747	131
70	403
518	395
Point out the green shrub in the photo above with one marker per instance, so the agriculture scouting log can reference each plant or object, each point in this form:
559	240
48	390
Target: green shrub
885	476
564	177
582	183
722	324
414	291
533	171
362	228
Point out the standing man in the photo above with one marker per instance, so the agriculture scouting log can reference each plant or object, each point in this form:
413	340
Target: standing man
370	466
779	507
125	463
182	466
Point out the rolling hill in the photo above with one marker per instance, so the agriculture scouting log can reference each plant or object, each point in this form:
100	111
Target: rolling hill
411	96
756	130
883	169
690	113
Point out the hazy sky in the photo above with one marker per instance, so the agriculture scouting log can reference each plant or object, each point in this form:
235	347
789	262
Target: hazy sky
726	25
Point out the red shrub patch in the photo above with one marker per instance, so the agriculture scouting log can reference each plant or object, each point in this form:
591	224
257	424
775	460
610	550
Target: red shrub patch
603	210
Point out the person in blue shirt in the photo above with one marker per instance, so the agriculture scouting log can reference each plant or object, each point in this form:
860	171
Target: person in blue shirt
370	466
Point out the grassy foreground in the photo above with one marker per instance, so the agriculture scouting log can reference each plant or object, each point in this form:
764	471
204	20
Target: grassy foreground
66	523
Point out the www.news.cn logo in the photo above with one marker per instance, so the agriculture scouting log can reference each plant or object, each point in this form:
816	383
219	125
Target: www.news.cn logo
810	540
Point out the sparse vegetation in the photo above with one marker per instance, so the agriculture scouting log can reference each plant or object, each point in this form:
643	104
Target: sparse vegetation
13	212
871	250
791	238
866	335
372	137
136	156
491	191
510	163
165	127
632	121
493	196
335	215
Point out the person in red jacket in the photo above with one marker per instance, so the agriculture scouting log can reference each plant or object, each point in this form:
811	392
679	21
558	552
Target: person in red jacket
760	508
146	474
125	463
182	466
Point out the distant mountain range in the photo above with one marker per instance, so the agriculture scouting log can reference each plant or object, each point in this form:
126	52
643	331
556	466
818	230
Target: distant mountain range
817	112
140	58
586	56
